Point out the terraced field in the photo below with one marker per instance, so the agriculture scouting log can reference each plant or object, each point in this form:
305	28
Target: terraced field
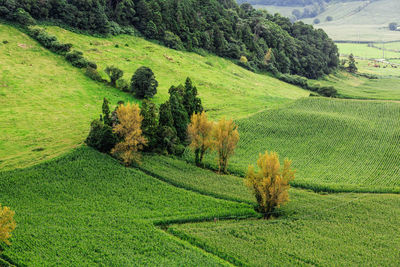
336	145
216	79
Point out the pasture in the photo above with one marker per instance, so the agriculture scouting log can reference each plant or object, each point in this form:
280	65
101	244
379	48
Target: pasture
353	20
47	104
216	79
335	145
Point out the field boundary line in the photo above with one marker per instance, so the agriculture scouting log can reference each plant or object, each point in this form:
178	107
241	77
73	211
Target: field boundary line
193	189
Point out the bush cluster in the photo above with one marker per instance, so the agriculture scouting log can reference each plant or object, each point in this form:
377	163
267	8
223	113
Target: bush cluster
49	41
328	91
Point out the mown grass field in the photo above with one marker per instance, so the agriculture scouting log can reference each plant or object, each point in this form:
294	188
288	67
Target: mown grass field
87	209
46	104
367	52
387	87
217	79
335	145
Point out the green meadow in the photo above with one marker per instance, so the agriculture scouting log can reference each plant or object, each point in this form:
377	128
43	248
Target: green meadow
225	88
50	103
47	104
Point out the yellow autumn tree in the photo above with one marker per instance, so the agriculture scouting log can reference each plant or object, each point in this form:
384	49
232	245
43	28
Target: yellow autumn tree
226	137
130	131
270	185
7	224
200	135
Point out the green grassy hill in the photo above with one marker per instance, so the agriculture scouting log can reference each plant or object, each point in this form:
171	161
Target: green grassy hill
46	104
217	79
339	145
49	104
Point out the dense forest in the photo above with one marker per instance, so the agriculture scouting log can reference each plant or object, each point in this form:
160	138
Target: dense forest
255	39
294	2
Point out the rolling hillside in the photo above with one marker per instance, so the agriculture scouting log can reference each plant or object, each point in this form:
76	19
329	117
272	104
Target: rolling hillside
50	103
46	103
335	145
87	209
354	20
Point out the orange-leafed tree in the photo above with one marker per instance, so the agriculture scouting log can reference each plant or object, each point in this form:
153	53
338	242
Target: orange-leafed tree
130	131
7	224
270	185
226	137
200	135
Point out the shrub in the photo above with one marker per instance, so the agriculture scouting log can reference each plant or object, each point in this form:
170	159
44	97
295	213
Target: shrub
226	137
129	129
7	224
114	74
393	26
123	85
172	41
5	42
270	185
144	83
243	59
317	21
93	74
49	41
329	18
101	137
76	59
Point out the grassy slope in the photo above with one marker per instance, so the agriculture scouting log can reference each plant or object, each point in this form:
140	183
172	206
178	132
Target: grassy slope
335	144
218	80
87	209
46	104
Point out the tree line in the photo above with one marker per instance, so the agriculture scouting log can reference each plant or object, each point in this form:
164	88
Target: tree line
268	42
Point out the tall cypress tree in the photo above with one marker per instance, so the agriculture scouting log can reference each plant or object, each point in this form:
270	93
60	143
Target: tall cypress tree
106	112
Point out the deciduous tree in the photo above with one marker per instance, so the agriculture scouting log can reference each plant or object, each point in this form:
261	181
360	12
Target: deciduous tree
200	135
7	224
129	129
226	137
270	185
